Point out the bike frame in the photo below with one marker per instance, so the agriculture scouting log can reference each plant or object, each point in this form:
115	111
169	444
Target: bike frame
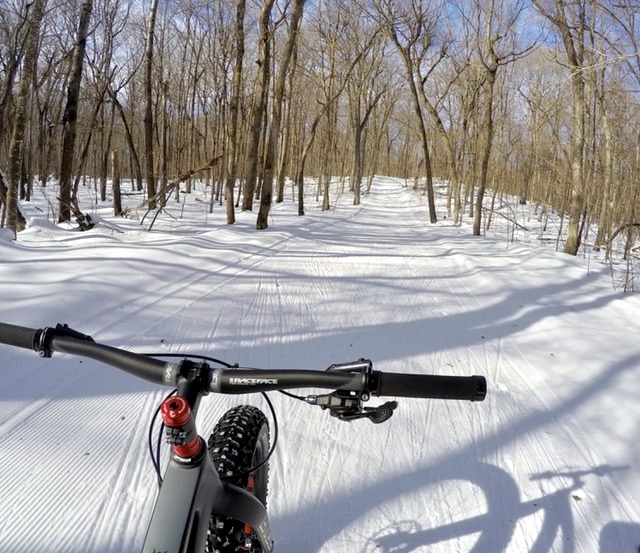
189	494
192	491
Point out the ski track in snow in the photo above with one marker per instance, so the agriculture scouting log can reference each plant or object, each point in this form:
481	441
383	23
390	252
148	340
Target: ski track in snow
527	470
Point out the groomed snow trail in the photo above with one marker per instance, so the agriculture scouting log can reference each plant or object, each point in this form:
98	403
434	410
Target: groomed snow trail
548	463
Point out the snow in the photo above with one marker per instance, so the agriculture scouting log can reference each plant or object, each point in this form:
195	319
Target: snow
549	462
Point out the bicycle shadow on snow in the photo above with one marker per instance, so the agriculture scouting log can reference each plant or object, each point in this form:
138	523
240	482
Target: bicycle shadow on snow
313	526
500	488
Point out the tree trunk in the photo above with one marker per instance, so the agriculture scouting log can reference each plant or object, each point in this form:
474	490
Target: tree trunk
487	126
115	175
259	101
234	112
14	219
357	163
572	244
274	131
135	160
303	160
572	35
104	169
11	69
71	113
604	219
148	112
450	143
286	140
433	218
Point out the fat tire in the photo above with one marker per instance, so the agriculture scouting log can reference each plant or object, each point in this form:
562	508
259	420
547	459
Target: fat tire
239	442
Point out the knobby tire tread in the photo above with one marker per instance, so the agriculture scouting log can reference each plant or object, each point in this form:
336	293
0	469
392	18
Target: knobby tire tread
239	442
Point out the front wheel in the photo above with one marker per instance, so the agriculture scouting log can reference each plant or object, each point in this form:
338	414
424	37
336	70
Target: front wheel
238	444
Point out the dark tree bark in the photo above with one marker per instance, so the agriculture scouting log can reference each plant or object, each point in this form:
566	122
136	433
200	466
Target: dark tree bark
420	30
115	174
14	219
148	111
135	160
70	117
487	126
259	102
234	112
274	131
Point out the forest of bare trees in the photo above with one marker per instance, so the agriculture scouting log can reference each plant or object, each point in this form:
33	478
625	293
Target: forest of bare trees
534	98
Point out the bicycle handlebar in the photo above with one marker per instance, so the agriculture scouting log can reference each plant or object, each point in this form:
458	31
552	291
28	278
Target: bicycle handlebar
473	388
47	340
357	376
18	336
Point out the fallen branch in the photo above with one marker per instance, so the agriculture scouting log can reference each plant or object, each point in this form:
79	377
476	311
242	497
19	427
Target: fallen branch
171	185
84	220
507	218
609	243
622	228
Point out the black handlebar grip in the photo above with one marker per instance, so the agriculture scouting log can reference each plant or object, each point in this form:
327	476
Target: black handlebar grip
473	388
18	336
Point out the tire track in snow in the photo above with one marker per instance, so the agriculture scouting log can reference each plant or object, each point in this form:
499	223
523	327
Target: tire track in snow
200	288
69	446
193	279
353	260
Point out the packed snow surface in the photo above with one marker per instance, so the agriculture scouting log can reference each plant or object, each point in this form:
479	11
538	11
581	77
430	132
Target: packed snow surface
549	462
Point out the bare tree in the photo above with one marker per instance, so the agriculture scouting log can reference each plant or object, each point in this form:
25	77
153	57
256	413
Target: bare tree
365	89
71	112
234	109
259	103
496	30
412	28
623	43
570	20
274	130
12	39
148	98
14	219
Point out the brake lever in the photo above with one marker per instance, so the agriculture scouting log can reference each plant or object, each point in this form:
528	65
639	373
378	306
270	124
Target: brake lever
377	415
381	413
